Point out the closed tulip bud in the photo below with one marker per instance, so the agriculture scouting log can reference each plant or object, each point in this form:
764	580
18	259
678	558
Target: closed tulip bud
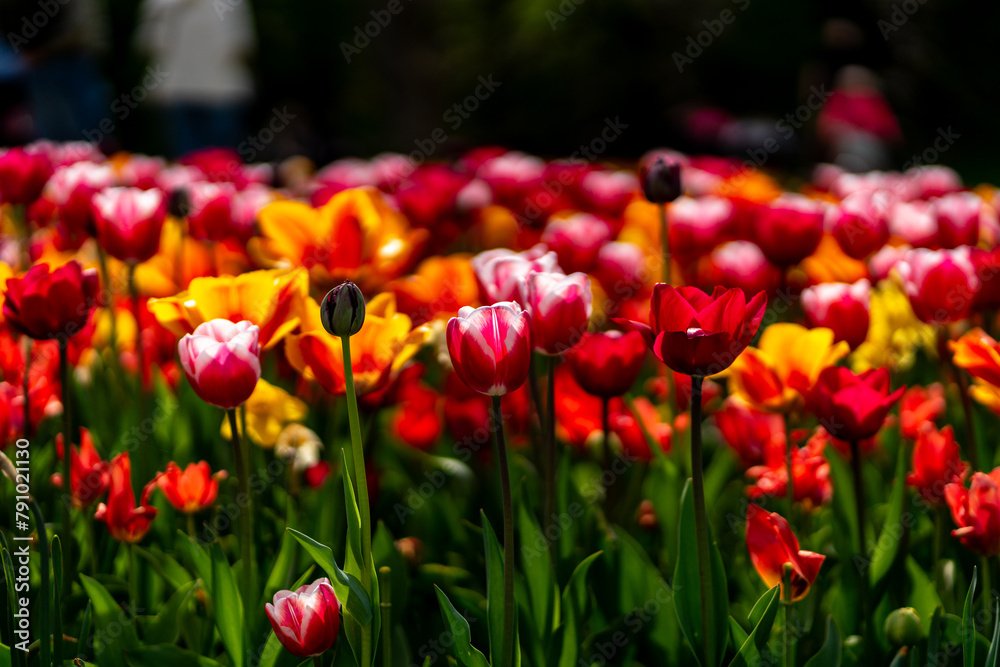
661	181
902	627
343	310
222	361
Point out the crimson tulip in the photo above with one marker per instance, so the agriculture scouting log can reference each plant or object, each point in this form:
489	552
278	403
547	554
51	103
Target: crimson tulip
811	483
937	462
859	223
89	477
500	271
772	546
576	240
71	190
23	174
190	490
738	264
751	433
222	361
209	209
919	406
417	421
913	221
841	307
46	305
853	407
560	308
489	347
789	229
976	512
698	224
958	216
129	222
697	334
306	621
607	364
126	522
941	284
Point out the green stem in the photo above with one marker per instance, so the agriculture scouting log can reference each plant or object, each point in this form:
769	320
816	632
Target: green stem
938	539
507	648
550	447
67	430
88	524
786	607
665	243
701	527
318	661
246	520
385	604
191	526
859	501
361	487
45	599
986	597
133	580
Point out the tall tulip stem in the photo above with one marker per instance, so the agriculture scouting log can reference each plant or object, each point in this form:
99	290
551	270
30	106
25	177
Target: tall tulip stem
67	430
385	606
507	648
786	607
550	446
361	488
246	520
701	527
859	501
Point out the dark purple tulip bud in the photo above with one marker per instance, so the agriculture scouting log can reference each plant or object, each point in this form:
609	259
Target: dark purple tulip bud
343	310
661	181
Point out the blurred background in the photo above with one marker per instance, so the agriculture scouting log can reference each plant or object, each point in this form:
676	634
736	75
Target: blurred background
754	79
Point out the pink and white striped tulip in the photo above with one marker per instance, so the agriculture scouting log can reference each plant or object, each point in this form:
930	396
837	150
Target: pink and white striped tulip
306	621
840	307
500	271
129	222
490	347
560	308
222	361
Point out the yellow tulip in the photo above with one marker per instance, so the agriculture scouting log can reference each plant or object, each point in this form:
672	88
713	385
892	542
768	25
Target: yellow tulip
269	409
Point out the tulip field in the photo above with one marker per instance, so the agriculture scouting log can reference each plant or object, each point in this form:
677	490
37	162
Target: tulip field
495	411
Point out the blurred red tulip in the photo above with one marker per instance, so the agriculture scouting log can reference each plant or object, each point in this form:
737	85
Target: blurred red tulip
859	223
789	229
576	240
811	482
738	264
772	545
500	271
23	174
129	222
840	307
697	334
937	462
976	512
941	284
696	225
126	522
490	347
987	267
915	222
919	406
222	361
71	189
752	433
209	212
560	308
852	407
190	490
621	270
307	621
89	477
416	420
626	424
607	364
958	219
46	305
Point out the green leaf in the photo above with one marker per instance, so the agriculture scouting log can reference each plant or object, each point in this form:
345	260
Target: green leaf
750	652
115	630
167	655
887	545
5	659
844	505
169	569
494	590
348	588
574	604
923	595
200	558
969	625
84	630
57	588
281	572
829	654
736	632
353	561
228	606
536	563
900	659
687	594
165	627
8	575
934	633
462	648
991	656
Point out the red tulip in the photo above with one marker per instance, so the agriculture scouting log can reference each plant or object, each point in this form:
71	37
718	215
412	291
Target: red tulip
576	240
490	347
23	174
941	284
222	361
500	271
987	266
416	421
46	305
696	225
789	229
976	512
71	189
859	223
307	621
852	407
840	307
125	521
626	424
920	406
607	364
810	475
958	219
772	545
209	213
751	432
914	222
89	477
608	192
129	222
697	334
738	264
621	269
560	308
937	463
190	490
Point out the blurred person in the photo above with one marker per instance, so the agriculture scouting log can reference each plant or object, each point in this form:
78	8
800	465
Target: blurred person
60	44
204	48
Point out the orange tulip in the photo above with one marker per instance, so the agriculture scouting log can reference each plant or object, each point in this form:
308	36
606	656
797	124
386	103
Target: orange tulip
270	299
437	289
190	490
126	522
